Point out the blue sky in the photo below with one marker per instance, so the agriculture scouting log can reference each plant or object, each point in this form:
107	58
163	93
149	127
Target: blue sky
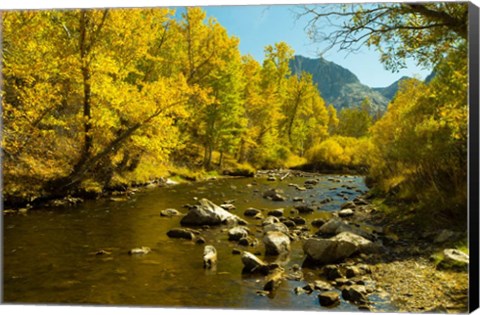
258	26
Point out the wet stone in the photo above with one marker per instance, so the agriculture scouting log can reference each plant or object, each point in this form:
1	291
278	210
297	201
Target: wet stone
318	223
305	208
251	212
329	298
322	285
200	240
352	271
236	251
332	272
248	241
298	220
276	212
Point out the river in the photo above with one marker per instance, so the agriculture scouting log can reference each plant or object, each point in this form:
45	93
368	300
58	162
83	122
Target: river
49	253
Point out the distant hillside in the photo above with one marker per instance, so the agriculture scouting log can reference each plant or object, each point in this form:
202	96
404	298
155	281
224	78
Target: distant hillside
390	91
337	85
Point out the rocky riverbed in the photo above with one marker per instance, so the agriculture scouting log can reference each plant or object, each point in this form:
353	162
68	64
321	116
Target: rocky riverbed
309	240
358	260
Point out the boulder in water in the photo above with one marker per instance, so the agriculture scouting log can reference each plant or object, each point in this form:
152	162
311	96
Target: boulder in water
276	212
274	279
208	213
209	257
278	227
252	263
329	298
187	234
237	233
276	243
251	212
305	208
336	248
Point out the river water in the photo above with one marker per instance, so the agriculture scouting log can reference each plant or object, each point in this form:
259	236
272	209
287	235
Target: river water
49	254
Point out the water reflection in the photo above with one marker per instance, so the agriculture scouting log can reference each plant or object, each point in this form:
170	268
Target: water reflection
50	256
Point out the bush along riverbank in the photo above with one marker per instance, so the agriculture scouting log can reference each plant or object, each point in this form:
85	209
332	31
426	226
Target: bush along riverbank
118	189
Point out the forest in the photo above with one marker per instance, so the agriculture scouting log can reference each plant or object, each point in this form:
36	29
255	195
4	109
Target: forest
95	100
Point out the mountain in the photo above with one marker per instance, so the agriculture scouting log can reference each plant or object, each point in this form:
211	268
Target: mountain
339	86
390	91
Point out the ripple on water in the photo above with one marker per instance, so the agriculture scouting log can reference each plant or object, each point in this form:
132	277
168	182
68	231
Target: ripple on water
68	273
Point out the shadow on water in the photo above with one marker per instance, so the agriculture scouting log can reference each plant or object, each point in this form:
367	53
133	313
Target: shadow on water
49	255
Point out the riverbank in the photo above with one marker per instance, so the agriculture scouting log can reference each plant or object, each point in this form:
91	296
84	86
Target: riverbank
412	269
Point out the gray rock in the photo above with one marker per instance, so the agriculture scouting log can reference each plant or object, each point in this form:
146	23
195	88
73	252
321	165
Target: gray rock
276	212
251	212
236	251
311	182
238	232
318	222
278	227
344	213
305	208
228	206
349	204
360	201
170	213
187	234
332	272
248	241
298	220
336	226
276	243
297	199
274	279
270	220
329	298
332	226
209	257
252	263
299	291
336	248
200	240
208	213
140	251
289	223
355	293
352	271
322	285
453	258
279	197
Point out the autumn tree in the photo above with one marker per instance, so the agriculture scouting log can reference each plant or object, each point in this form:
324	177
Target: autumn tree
305	121
76	90
210	60
421	142
355	121
425	32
